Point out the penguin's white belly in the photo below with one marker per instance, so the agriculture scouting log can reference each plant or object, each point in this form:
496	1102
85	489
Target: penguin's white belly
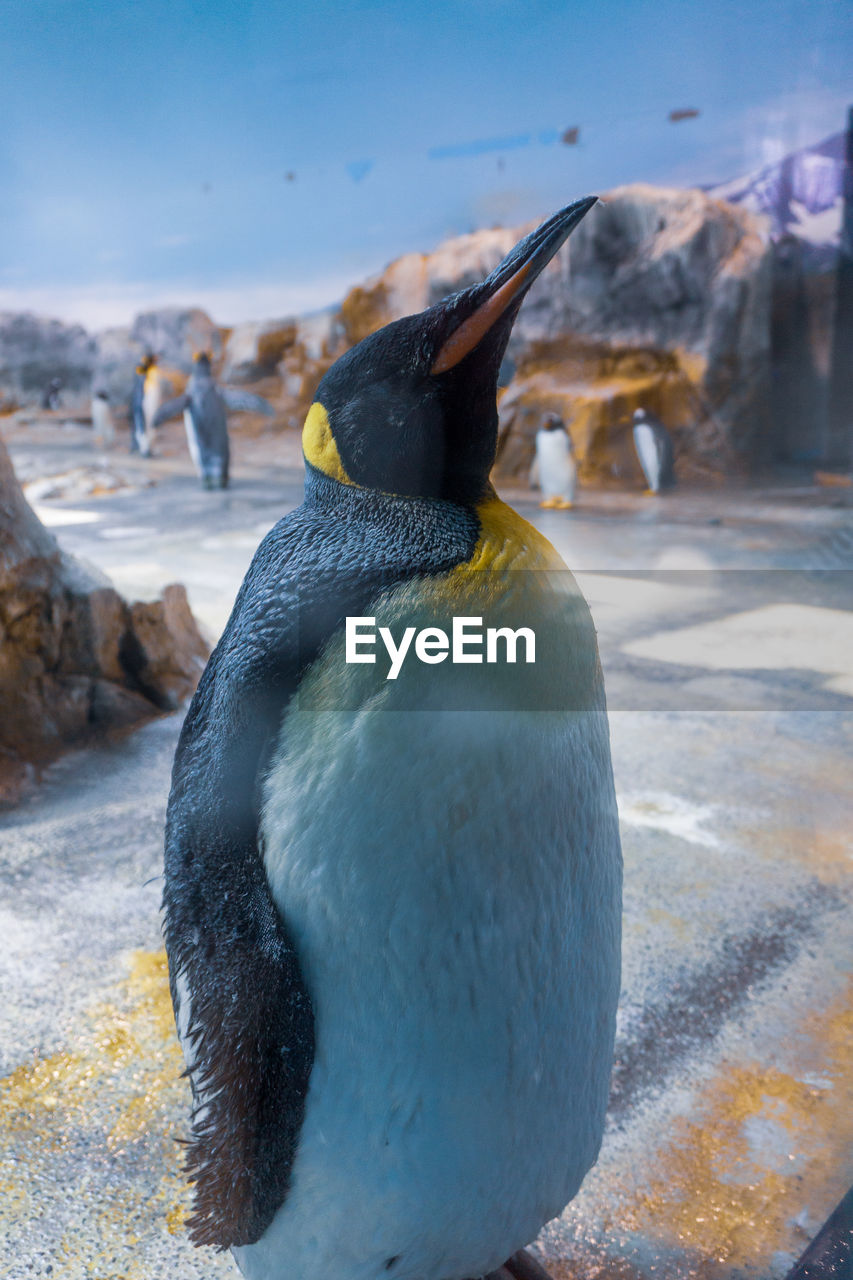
192	440
648	452
451	880
151	400
557	470
102	423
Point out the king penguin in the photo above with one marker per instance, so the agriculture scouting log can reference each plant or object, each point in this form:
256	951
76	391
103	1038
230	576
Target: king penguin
139	438
204	406
152	398
392	905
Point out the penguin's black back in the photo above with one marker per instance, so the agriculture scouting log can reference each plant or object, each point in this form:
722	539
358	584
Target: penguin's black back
248	1032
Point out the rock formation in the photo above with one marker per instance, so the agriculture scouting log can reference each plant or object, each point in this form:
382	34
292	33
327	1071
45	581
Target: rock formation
33	351
75	658
661	299
801	195
255	349
175	334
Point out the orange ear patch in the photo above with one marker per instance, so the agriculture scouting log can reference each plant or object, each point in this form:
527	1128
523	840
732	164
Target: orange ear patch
472	330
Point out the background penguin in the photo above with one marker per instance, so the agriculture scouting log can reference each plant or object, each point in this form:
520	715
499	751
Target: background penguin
102	420
393	939
204	407
152	398
139	438
555	469
50	396
654	450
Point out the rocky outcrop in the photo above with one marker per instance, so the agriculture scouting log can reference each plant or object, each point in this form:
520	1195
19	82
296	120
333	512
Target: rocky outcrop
660	299
417	280
34	351
75	658
176	334
173	334
801	195
115	362
255	349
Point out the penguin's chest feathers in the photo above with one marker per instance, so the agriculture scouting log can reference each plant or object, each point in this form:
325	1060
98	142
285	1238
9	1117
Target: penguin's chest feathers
152	391
450	878
649	452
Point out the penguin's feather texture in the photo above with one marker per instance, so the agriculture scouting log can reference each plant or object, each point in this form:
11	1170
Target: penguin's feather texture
248	1038
446	849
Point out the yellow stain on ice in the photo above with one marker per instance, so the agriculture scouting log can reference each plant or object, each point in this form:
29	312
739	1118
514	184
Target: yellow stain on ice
818	833
760	1146
658	919
825	851
94	1126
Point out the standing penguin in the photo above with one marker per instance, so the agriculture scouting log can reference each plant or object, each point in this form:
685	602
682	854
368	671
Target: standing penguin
654	450
392	896
140	441
204	407
103	431
555	463
152	397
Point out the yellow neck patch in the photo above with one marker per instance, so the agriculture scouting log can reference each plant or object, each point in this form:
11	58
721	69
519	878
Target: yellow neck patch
507	541
318	445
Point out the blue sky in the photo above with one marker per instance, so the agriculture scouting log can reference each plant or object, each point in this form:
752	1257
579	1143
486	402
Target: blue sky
145	148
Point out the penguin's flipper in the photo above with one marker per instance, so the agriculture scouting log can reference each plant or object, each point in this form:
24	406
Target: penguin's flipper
243	1012
245	402
171	409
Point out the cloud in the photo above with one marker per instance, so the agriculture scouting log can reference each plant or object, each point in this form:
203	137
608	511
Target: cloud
108	305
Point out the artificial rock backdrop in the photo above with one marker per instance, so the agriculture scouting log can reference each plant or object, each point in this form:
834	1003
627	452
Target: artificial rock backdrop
660	299
75	658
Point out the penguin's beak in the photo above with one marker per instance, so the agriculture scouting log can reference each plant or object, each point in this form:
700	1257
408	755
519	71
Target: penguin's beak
501	294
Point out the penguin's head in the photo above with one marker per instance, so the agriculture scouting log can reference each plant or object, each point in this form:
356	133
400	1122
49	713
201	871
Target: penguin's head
412	409
201	360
